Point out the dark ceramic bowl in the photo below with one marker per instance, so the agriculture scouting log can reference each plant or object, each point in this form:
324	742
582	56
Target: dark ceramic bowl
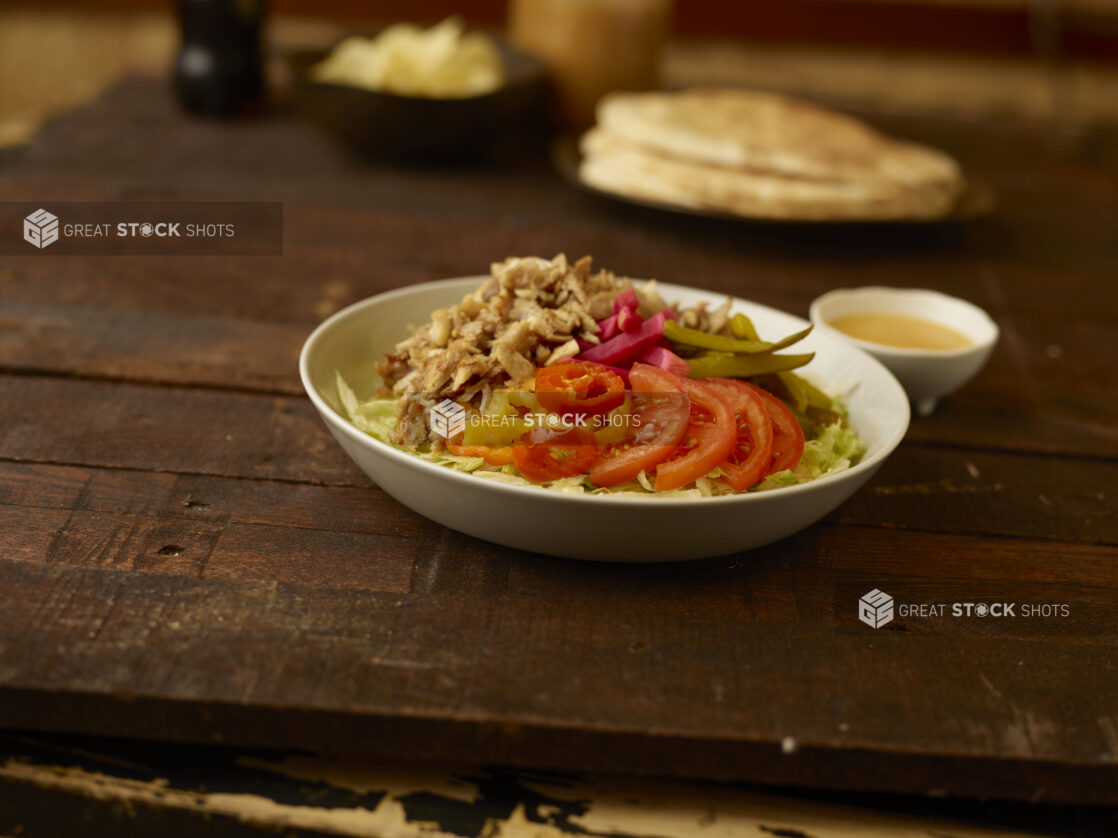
387	125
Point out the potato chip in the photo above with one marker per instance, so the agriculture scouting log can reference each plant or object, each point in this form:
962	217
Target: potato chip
443	62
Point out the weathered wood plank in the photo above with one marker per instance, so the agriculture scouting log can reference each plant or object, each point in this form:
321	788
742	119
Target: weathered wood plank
784	267
168	429
243	435
919	488
150	346
297	288
198	498
222	550
333	536
985	492
738	656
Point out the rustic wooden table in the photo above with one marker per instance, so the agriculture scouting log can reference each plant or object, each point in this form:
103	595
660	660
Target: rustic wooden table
187	556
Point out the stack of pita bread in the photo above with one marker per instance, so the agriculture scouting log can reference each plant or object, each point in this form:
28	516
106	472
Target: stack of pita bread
761	155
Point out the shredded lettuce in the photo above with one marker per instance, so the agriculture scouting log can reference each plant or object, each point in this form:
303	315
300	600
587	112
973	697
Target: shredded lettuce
376	417
832	450
778	479
709	486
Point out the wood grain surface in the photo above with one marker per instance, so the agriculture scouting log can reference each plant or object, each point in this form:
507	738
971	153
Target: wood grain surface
185	554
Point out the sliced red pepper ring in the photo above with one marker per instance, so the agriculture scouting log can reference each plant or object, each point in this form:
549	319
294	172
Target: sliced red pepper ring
579	387
545	454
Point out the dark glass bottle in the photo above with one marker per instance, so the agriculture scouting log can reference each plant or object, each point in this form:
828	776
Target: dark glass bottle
219	66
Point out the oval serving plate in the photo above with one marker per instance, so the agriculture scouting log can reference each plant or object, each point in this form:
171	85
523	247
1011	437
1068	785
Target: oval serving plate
622	528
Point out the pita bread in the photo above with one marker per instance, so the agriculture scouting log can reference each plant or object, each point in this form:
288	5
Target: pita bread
768	133
614	164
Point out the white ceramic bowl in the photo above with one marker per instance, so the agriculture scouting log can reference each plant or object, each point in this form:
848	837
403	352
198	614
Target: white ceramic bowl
927	374
599	527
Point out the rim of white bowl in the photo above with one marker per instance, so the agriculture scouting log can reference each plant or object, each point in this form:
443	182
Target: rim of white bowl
815	314
330	415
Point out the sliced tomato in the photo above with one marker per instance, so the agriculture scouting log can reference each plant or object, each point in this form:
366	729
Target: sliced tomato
709	440
495	455
788	436
545	454
579	387
661	408
752	455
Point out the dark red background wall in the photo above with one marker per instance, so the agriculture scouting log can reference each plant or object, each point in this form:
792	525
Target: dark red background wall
973	27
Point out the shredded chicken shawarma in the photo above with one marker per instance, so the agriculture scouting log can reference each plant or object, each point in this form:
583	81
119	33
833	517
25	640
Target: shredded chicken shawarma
532	312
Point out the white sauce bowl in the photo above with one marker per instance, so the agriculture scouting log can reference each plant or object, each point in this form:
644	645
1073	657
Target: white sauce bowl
927	374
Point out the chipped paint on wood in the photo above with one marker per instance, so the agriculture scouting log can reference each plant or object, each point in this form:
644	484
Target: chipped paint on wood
484	803
388	820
